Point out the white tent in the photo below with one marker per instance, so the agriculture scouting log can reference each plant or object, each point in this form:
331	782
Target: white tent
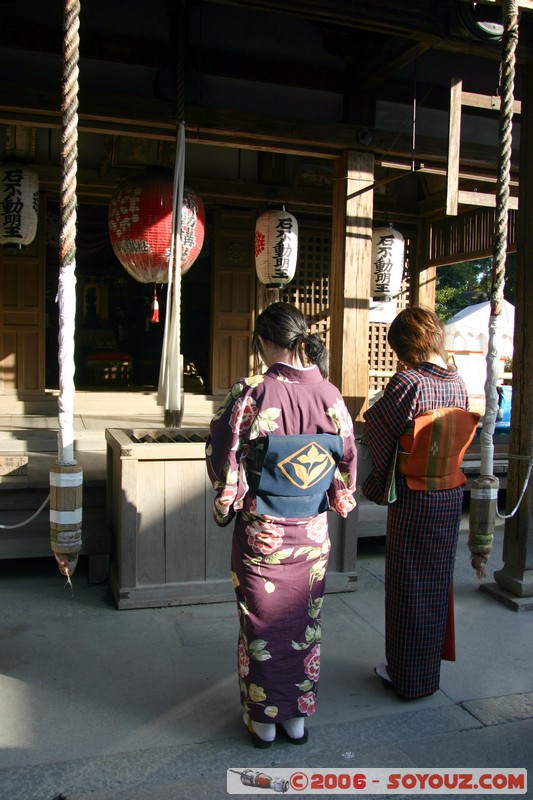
468	330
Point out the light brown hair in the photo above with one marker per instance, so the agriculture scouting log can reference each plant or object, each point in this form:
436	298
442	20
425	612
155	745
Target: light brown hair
416	335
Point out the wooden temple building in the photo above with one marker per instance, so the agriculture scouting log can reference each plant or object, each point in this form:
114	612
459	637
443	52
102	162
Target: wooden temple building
350	114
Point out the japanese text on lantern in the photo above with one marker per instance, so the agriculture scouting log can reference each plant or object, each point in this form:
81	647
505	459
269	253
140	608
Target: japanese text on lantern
189	234
282	248
383	263
12	205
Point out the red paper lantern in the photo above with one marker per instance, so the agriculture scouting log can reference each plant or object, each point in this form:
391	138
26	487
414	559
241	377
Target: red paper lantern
276	247
140	225
19	204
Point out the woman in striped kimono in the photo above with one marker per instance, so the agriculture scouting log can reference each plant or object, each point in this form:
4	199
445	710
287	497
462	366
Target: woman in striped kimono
417	433
280	453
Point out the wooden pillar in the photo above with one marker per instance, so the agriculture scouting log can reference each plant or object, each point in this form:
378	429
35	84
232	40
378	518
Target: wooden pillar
423	280
515	579
454	144
351	278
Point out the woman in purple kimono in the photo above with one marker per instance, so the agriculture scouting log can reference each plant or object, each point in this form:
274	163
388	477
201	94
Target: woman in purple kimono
280	453
417	433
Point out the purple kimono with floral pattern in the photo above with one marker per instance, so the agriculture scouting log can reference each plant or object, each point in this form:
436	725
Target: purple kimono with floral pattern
278	564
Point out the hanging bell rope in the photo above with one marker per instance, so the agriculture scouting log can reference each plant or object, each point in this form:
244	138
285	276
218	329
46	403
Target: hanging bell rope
170	385
484	492
170	377
66	476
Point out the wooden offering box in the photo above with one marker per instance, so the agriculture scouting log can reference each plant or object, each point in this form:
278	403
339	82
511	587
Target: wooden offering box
167	549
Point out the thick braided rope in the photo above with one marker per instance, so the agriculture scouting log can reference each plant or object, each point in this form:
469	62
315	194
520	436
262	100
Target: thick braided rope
480	543
67	252
69	136
510	40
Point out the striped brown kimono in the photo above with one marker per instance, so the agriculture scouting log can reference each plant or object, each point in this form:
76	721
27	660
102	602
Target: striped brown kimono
422	530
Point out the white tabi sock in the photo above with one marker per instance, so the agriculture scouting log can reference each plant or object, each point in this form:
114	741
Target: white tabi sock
265	730
295	727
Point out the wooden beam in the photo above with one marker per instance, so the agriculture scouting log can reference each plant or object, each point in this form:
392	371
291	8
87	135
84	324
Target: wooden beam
435	169
155	119
91	184
488	102
483	199
454	195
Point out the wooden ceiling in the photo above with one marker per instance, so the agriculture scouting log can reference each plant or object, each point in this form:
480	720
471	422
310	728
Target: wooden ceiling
370	42
364	51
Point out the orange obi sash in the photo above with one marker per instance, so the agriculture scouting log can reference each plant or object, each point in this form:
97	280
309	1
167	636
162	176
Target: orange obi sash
431	451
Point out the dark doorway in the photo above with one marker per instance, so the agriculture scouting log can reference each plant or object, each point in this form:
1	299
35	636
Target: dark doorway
116	344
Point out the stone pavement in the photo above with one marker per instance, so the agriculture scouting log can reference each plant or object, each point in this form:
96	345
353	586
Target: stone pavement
100	704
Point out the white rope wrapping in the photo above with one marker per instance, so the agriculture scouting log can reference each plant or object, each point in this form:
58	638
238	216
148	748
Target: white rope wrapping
66	517
66	479
491	401
169	388
483	494
67	315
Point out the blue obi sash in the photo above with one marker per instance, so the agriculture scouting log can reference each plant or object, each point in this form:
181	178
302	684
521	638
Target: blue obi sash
290	475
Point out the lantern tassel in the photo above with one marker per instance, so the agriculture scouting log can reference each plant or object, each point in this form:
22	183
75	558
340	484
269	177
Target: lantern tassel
155	308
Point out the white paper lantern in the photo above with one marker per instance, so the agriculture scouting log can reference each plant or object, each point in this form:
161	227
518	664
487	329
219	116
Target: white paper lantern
19	204
388	251
276	247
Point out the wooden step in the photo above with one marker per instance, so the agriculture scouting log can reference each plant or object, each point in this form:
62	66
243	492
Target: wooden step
105	403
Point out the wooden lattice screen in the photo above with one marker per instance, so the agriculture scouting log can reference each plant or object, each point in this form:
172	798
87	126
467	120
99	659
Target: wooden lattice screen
309	291
466	237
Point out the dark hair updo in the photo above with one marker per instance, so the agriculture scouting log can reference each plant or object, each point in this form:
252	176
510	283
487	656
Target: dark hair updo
285	326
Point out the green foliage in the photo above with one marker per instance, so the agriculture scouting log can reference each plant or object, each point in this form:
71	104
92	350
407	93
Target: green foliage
462	285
